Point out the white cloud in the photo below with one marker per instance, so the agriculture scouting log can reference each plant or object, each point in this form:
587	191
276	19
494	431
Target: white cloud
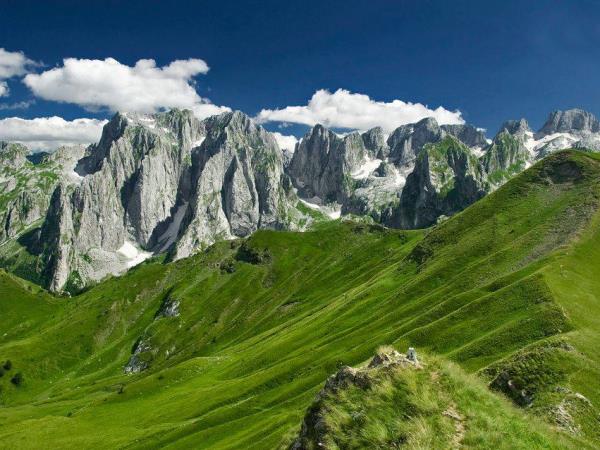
14	64
96	84
3	89
204	110
287	142
345	109
48	133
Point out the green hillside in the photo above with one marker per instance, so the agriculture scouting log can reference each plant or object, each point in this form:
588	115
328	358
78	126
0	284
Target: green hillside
506	289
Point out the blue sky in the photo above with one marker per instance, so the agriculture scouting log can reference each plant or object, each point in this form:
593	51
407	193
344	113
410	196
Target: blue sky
491	60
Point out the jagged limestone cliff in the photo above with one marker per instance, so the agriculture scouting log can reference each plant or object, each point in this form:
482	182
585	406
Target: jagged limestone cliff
166	182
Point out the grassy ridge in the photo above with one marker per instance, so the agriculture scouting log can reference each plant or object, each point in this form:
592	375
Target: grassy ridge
263	322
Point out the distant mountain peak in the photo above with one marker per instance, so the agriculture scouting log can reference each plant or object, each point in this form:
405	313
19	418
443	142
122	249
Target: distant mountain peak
519	127
571	120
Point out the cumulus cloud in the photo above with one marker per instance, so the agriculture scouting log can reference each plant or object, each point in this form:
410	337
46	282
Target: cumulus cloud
204	110
345	109
3	89
13	64
97	84
48	133
285	142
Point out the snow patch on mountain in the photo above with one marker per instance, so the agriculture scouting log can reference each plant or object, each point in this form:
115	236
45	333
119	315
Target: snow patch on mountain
333	210
132	254
366	169
560	139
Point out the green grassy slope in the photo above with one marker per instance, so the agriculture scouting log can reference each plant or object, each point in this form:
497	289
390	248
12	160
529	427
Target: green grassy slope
263	322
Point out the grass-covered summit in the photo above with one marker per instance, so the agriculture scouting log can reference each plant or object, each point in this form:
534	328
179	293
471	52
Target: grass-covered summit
227	349
393	402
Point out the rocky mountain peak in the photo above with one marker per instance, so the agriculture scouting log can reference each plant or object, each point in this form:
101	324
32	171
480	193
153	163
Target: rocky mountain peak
320	132
515	127
375	142
407	140
229	118
428	123
322	161
447	177
236	123
467	134
571	121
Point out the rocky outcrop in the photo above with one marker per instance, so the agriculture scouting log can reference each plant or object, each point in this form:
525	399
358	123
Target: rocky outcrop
13	156
515	127
446	179
375	143
408	140
56	238
314	430
140	358
129	184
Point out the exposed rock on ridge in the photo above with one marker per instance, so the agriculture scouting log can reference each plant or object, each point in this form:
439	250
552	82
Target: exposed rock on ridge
315	428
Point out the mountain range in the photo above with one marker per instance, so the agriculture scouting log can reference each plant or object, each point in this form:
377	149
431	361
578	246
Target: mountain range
171	184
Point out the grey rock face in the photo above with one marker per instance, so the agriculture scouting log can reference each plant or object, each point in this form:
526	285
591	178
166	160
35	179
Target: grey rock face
467	134
25	189
572	120
407	140
57	237
237	184
287	156
377	195
164	181
375	143
139	360
515	127
322	162
22	210
13	156
130	186
169	308
446	179
341	170
505	157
